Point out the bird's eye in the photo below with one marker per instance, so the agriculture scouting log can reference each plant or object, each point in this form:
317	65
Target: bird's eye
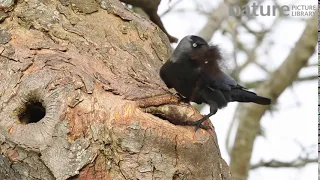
194	44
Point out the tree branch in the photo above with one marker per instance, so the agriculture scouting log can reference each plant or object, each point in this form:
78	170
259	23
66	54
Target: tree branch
279	80
300	161
218	15
251	53
255	84
279	164
170	8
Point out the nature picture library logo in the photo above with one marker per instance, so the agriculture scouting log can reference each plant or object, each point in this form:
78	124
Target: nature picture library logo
256	9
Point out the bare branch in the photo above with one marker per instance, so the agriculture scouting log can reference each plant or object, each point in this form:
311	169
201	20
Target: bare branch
262	67
300	161
251	53
170	8
279	164
279	80
255	84
312	64
231	126
215	20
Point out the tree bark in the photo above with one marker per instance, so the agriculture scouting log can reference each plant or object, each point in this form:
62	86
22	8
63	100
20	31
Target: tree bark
81	98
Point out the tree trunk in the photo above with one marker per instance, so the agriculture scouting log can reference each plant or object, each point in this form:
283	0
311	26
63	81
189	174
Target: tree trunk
81	98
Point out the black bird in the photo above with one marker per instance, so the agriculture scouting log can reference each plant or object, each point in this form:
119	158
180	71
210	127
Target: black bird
193	71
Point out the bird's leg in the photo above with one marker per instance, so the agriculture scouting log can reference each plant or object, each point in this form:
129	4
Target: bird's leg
194	123
213	110
198	123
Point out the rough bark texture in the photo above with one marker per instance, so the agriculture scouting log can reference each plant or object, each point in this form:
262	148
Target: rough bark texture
279	80
93	66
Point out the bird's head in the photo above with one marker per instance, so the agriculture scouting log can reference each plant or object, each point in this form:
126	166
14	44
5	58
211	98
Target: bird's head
193	47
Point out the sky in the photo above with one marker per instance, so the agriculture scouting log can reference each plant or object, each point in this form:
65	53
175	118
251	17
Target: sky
294	122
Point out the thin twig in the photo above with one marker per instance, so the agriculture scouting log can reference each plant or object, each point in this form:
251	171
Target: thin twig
170	8
279	164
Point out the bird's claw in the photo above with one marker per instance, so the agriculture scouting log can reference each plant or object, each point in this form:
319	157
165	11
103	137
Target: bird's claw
198	124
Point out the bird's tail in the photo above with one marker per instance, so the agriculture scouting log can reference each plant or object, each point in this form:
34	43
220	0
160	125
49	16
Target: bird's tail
241	95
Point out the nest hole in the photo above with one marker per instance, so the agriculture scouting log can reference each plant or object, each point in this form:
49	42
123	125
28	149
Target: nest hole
32	112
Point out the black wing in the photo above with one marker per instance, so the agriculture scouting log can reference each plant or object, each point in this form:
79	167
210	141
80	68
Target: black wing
221	82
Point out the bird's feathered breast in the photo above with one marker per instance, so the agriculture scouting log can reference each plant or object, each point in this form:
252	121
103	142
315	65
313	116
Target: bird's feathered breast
210	61
211	74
